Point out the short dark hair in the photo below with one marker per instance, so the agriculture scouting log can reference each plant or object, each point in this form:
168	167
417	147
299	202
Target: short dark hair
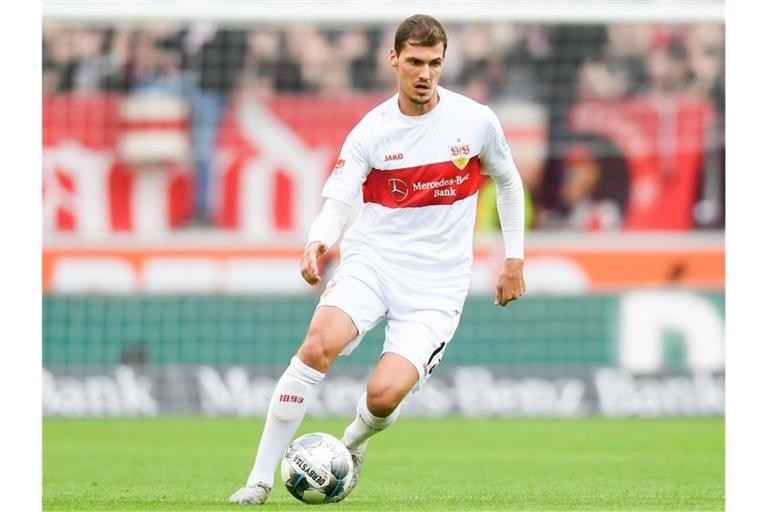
421	30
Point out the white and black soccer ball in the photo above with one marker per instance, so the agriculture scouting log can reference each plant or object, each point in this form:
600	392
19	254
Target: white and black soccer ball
317	468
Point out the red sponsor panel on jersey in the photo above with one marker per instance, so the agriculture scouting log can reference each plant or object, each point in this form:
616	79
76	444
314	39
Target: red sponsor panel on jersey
422	185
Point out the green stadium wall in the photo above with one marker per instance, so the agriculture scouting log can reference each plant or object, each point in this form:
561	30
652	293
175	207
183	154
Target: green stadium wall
640	353
581	331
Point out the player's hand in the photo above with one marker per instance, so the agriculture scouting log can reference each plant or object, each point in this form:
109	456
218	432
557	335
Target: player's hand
511	284
309	270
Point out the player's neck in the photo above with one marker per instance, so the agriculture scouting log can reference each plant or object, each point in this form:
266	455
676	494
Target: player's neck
409	108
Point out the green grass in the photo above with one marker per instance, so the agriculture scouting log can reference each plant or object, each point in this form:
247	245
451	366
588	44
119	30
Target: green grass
590	464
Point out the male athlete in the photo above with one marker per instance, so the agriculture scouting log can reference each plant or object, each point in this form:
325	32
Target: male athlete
407	258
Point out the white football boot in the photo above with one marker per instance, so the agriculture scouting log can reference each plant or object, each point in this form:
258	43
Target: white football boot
251	495
358	456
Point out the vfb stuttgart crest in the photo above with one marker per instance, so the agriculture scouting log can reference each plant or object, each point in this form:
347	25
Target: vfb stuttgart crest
460	154
339	167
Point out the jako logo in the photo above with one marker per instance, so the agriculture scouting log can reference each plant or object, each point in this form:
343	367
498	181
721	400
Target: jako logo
396	156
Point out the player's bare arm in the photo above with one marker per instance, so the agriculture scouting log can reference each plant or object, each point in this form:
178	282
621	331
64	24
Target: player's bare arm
309	267
511	283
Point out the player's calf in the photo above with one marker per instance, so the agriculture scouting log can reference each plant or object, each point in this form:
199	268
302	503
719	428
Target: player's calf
359	432
365	425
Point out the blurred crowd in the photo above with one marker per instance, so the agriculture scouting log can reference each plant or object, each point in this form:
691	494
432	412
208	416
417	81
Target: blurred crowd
486	61
554	65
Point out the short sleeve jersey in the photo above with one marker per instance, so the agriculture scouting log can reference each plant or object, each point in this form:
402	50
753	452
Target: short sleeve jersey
419	177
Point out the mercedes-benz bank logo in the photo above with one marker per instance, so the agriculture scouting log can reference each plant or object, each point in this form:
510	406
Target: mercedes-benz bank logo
398	188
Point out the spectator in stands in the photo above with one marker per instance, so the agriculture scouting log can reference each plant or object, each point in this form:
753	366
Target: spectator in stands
705	48
213	62
706	57
598	80
268	66
58	58
528	47
84	60
625	51
667	69
309	47
586	208
557	72
260	70
202	63
157	58
358	48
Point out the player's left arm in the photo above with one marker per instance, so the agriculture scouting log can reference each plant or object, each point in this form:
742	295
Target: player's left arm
510	203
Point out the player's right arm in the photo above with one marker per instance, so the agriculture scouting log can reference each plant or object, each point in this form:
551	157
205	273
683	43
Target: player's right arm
309	268
323	234
340	191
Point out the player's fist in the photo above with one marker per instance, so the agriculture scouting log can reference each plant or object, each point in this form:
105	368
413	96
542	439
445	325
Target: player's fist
309	269
511	283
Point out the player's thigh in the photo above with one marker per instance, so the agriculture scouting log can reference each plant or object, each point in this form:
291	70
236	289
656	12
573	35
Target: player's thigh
330	330
349	307
421	337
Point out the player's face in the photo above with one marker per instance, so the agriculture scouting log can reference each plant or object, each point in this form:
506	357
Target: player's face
418	70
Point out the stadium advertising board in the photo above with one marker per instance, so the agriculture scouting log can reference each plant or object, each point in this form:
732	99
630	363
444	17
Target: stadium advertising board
470	391
642	353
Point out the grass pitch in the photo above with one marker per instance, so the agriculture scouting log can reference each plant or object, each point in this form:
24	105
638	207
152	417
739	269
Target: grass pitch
455	464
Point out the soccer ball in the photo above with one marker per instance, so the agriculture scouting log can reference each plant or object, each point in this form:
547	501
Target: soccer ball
317	468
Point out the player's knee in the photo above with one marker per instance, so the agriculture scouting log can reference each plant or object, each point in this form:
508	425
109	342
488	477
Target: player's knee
314	351
382	399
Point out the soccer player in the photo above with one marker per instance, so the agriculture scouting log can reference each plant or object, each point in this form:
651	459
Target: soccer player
418	159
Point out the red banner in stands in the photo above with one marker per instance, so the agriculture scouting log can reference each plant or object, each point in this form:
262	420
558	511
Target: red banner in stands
273	156
88	189
663	143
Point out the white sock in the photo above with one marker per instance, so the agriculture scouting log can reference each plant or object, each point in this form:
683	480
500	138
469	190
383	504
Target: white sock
366	424
286	410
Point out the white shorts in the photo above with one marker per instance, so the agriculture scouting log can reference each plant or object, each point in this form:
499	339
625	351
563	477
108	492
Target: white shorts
415	329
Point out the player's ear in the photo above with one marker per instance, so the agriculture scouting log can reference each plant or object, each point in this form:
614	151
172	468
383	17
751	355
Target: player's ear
393	57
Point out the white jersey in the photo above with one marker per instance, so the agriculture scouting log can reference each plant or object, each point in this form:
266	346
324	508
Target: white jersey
419	177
